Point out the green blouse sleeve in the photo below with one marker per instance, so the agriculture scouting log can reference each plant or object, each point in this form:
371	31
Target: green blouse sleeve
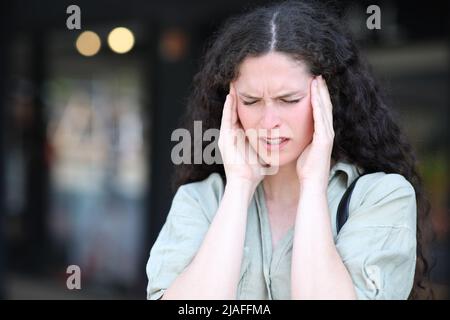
378	242
180	238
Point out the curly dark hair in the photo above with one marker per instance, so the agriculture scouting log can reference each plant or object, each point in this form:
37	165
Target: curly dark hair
366	133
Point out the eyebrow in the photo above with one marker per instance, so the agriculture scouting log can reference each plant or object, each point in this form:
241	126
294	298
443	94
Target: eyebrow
286	95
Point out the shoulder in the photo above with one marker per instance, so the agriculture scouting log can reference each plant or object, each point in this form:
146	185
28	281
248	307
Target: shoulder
211	187
205	194
378	243
379	184
389	199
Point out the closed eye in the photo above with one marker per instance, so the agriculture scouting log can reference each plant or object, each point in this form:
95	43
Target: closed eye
248	103
291	101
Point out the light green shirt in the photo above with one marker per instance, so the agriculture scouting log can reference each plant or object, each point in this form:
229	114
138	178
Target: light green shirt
377	243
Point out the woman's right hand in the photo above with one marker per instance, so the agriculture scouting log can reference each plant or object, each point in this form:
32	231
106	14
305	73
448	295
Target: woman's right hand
240	160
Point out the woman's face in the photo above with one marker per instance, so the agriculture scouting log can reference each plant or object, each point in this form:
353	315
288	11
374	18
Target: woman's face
273	93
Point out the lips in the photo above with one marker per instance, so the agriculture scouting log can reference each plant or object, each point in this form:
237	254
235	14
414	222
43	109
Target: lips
275	143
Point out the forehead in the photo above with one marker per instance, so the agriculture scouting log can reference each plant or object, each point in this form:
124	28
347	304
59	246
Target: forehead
274	69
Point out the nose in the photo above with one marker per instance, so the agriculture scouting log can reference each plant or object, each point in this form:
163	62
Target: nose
270	118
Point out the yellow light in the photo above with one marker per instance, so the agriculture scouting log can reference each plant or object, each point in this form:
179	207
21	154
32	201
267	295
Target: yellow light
88	43
121	40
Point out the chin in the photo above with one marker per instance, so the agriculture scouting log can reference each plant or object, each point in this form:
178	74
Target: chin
282	160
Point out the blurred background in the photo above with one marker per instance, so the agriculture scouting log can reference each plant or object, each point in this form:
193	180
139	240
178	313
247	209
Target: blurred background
86	118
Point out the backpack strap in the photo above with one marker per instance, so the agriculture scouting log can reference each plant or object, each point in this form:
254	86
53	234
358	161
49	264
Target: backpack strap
343	208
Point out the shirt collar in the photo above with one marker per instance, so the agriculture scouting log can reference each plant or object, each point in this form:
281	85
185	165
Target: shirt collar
351	171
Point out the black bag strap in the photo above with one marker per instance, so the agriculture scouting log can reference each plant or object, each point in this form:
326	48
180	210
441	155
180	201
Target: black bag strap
343	208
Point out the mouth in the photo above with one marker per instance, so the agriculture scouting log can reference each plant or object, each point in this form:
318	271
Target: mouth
275	143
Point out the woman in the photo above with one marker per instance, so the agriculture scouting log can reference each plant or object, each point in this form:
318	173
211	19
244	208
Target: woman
291	73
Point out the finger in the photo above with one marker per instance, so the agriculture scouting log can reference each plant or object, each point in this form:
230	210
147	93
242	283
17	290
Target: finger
323	127
324	105
326	99
316	106
324	93
234	114
226	114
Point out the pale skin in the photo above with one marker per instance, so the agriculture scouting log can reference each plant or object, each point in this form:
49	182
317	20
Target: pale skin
278	94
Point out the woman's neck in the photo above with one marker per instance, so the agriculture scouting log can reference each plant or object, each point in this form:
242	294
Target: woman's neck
284	186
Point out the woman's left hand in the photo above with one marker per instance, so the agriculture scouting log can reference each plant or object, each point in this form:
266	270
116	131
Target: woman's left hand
313	165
